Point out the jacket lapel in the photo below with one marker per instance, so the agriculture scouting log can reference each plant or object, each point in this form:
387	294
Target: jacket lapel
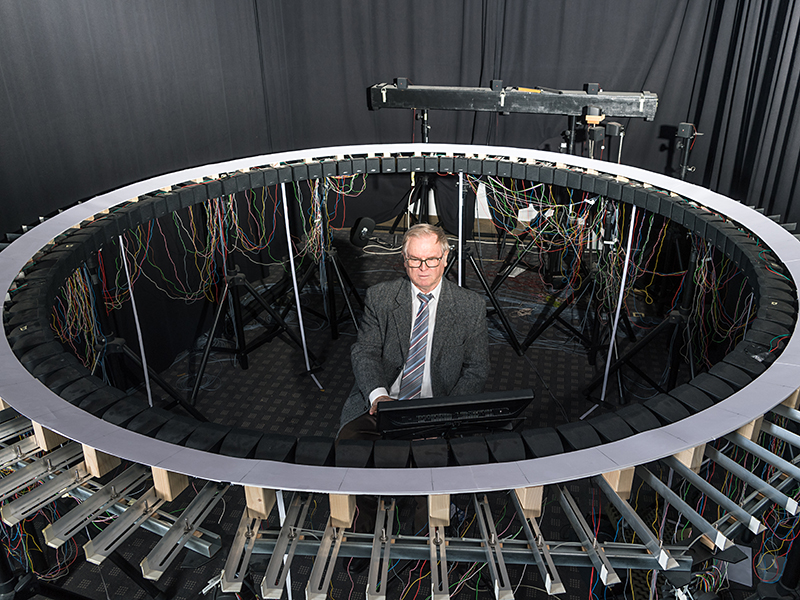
445	320
402	316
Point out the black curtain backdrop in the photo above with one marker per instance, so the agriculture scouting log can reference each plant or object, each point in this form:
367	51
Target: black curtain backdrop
97	94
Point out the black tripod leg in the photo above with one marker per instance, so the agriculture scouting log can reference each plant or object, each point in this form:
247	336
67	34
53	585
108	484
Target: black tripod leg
626	322
275	315
328	297
647	378
506	271
675	354
209	342
535	332
344	282
503	319
634	349
238	326
343	276
163	384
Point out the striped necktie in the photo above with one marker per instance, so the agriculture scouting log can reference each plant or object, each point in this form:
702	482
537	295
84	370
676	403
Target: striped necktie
411	384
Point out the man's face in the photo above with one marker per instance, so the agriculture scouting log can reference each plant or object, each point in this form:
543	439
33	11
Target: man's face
425	277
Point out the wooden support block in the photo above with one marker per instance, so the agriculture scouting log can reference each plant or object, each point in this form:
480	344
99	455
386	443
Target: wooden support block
343	509
693	457
259	501
752	429
621	481
4	405
47	440
168	484
791	401
530	499
99	463
439	510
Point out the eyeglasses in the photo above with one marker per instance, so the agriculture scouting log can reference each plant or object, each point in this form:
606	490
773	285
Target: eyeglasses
431	263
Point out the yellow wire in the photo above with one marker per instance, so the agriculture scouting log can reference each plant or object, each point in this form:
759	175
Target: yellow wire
408	589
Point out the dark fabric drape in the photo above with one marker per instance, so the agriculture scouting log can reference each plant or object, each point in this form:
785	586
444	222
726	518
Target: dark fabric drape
745	101
98	94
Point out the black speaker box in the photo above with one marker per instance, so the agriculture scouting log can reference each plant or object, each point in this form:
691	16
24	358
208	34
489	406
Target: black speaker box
746	363
429	453
124	411
177	430
57	363
149	421
314	450
391	454
505	446
638	417
60	379
734	377
240	443
100	401
80	388
277	447
769	327
31	358
207	437
691	397
579	435
33	337
542	441
470	450
666	408
353	454
715	388
611	427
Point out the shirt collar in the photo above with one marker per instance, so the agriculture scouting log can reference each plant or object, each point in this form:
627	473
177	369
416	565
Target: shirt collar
435	291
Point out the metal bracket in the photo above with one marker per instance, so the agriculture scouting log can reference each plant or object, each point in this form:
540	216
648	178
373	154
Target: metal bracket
58	459
281	561
440	587
14	427
165	551
381	548
590	544
67	526
734	468
239	555
661	488
539	550
20	450
651	542
739	513
98	549
49	491
321	572
493	549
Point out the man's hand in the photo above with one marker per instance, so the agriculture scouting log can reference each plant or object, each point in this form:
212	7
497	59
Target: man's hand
374	408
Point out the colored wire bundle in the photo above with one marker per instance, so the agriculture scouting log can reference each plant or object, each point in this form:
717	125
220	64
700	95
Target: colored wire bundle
75	319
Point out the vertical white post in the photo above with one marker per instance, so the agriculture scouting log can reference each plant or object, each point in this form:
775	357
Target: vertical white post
460	227
124	254
619	303
294	283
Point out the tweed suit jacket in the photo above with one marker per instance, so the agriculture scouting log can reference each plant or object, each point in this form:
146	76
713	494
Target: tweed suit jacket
459	354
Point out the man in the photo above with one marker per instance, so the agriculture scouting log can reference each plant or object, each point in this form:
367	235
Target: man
449	342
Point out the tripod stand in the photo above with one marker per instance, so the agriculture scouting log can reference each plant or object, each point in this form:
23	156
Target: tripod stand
330	263
679	321
550	317
467	257
234	280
